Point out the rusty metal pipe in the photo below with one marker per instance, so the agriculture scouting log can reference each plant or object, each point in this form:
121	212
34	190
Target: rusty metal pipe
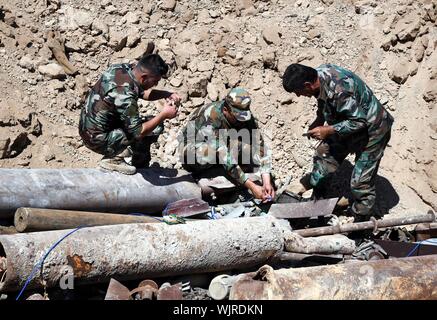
390	279
372	224
148	191
35	219
140	251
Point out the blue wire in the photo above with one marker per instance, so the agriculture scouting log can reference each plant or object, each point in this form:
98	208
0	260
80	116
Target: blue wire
417	246
40	263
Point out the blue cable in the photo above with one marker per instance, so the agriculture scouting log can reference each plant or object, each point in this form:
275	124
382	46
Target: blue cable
40	263
417	246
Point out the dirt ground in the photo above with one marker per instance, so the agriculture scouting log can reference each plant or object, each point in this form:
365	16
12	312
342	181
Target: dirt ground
211	47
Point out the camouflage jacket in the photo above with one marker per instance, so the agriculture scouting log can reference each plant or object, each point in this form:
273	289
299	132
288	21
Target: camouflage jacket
112	104
204	135
348	104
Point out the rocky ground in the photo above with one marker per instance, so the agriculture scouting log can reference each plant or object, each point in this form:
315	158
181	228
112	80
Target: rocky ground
211	47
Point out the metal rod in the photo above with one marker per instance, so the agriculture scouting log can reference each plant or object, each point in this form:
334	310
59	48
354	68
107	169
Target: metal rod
372	224
35	219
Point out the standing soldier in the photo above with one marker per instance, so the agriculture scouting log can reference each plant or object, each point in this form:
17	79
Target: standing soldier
356	123
225	133
110	123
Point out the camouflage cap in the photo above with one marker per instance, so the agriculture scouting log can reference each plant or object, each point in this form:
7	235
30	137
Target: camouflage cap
238	100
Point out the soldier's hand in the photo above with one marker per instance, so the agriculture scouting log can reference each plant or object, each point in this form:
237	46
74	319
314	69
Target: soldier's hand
321	132
257	192
175	97
169	111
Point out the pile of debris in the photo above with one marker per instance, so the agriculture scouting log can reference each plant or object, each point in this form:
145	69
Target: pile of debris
52	51
197	249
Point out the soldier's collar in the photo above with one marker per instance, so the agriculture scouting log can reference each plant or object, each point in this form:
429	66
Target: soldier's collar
130	73
322	90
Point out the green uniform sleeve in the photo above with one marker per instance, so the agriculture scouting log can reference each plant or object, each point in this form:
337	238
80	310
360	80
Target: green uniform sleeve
348	109
230	165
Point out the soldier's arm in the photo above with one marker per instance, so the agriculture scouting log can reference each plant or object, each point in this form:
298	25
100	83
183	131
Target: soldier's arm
154	94
230	164
347	106
320	118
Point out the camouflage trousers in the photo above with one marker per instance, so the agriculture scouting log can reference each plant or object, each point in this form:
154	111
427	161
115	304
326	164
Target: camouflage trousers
108	144
116	141
331	153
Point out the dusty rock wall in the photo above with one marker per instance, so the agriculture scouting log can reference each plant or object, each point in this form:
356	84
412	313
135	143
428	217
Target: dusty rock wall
212	46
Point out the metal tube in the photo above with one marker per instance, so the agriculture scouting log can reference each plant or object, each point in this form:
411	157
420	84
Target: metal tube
34	219
149	190
393	279
140	251
372	224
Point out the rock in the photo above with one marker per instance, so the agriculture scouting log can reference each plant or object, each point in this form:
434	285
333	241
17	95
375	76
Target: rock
418	50
176	82
269	58
408	28
203	17
212	90
117	39
319	10
314	33
283	63
56	85
299	160
170	59
205	65
183	53
257	81
214	13
73	18
271	35
35	127
168	5
101	27
221	52
388	42
197	87
430	92
132	17
52	70
133	38
400	70
4	145
244	4
197	102
27	62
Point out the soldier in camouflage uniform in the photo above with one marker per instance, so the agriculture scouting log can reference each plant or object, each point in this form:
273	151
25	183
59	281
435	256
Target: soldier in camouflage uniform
110	121
225	133
356	123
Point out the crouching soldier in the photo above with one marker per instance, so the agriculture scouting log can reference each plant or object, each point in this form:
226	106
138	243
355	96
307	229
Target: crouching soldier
356	123
110	123
224	133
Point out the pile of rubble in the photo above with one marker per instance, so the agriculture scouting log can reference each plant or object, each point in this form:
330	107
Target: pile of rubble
197	249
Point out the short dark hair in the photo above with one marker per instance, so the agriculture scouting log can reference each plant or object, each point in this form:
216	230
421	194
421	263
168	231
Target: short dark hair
153	63
296	75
